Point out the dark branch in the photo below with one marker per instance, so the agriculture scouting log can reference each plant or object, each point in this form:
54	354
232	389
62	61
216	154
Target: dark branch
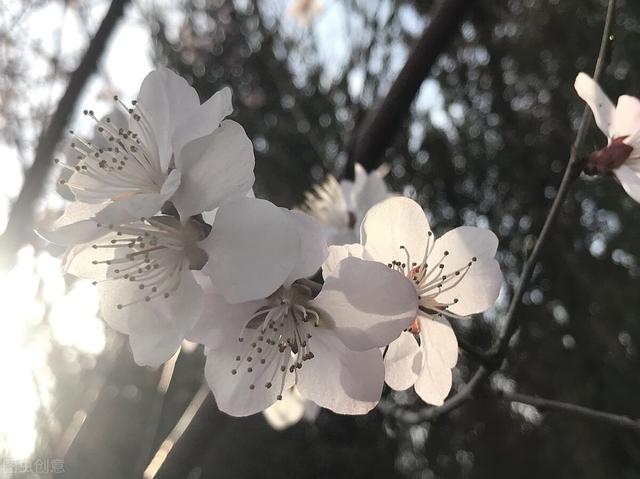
20	224
549	404
371	140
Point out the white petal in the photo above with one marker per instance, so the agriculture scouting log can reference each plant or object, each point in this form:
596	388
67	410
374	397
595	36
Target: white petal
84	261
344	381
367	303
395	222
126	210
313	246
215	169
373	191
232	391
221	322
630	181
253	247
626	118
153	340
478	288
402	362
287	411
338	253
440	354
76	225
202	121
601	106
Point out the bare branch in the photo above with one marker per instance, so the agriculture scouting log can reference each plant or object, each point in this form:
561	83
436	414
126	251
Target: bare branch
20	224
379	128
549	404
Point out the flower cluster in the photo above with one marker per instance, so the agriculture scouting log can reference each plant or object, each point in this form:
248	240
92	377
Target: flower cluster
163	220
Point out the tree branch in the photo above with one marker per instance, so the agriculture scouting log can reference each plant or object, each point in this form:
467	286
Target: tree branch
20	224
501	346
371	140
544	404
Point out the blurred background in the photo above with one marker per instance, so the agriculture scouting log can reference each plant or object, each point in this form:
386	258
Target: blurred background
485	144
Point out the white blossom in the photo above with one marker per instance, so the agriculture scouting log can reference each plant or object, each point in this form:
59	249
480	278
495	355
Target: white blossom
173	148
266	331
290	410
621	125
145	275
340	206
453	276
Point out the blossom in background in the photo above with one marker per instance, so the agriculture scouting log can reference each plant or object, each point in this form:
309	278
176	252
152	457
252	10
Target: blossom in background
453	276
266	332
621	125
144	272
173	148
341	206
303	11
290	410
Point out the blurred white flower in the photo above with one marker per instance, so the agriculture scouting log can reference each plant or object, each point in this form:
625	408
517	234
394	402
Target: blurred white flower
144	275
290	410
173	148
263	338
453	276
341	206
621	125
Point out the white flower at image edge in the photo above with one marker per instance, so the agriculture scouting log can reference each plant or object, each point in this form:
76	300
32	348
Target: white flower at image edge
342	206
621	125
265	332
143	271
454	276
173	148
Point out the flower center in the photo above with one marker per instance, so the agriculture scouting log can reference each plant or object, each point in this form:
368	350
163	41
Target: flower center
432	275
148	256
122	166
276	341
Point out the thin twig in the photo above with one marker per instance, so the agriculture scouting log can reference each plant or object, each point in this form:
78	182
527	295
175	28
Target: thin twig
510	324
20	224
541	403
371	140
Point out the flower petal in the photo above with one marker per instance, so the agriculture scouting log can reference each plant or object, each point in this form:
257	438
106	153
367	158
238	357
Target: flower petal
630	181
287	411
626	118
601	106
253	247
402	362
344	381
395	222
76	225
202	121
338	253
313	250
440	354
215	169
233	392
133	208
367	303
478	285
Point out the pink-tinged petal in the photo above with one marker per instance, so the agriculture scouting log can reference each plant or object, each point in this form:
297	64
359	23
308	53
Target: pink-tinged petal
366	303
393	223
344	381
202	121
626	118
402	362
287	411
220	321
440	354
601	106
630	181
313	249
253	247
234	393
338	253
215	169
